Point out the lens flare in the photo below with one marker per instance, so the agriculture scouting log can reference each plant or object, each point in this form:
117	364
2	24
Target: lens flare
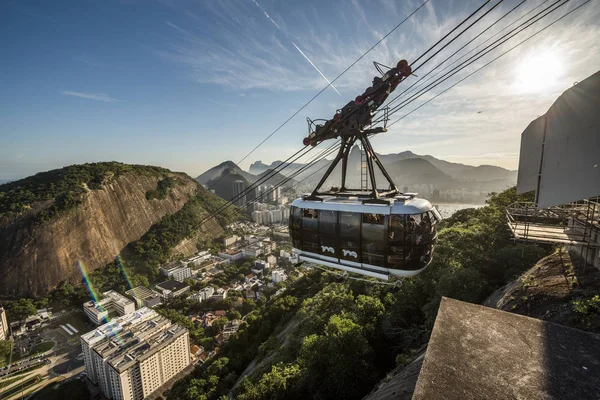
95	298
121	266
88	282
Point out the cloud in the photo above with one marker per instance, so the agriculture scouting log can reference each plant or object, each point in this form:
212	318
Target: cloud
232	48
91	96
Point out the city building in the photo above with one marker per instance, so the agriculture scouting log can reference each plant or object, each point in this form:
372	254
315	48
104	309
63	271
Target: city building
131	357
199	258
284	254
219	294
207	292
278	276
272	260
259	266
202	295
171	288
144	297
231	328
232	255
230	240
4	330
238	189
254	250
176	271
256	216
101	311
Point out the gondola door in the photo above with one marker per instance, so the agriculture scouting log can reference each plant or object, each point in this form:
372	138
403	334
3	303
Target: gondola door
328	221
349	234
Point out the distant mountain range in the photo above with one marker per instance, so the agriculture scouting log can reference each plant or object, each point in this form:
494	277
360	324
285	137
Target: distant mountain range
221	177
409	171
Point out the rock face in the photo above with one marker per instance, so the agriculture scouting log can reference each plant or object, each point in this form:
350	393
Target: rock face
35	258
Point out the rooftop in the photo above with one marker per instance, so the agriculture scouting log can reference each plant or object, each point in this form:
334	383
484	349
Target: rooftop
177	265
172	285
141	292
144	346
478	352
117	325
117	298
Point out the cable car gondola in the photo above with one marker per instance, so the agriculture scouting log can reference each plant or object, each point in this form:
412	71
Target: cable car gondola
375	240
373	232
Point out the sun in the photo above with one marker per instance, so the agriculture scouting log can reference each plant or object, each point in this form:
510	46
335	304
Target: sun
538	72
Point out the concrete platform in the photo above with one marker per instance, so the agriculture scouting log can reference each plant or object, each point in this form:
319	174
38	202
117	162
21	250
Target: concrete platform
549	234
477	352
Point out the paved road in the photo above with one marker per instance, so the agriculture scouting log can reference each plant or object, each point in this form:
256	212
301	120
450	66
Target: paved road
22	365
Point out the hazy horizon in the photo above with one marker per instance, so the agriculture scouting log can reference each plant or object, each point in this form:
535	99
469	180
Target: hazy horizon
195	174
187	85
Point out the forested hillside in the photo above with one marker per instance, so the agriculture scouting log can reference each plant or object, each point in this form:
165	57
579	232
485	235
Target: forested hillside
340	338
54	222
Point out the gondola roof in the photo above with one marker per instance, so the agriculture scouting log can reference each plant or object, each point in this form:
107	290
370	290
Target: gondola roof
401	204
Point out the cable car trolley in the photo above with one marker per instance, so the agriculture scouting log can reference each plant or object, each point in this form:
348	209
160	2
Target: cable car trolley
374	232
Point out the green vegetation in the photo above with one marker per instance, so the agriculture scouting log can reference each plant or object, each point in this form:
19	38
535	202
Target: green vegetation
40	348
328	339
141	259
162	189
7	382
587	313
21	309
179	309
5	350
63	188
22	387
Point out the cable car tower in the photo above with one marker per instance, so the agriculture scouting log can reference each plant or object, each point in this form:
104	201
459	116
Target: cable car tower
349	125
374	232
368	161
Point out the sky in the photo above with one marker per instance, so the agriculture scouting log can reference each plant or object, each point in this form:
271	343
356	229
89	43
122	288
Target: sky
189	84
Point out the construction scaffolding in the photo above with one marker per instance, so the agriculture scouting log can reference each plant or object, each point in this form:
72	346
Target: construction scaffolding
573	224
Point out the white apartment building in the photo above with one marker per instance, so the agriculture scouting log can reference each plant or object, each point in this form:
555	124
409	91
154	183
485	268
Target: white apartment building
278	276
220	294
4	332
177	272
228	241
145	352
203	294
98	311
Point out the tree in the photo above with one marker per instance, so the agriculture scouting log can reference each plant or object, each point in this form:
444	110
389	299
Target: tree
279	383
6	347
21	309
233	314
337	364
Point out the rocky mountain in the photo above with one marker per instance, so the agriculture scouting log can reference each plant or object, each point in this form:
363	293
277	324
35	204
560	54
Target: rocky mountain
409	171
54	222
258	167
418	170
223	184
217	171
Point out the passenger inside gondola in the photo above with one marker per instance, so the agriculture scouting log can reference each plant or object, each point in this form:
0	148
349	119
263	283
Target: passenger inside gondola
373	239
396	241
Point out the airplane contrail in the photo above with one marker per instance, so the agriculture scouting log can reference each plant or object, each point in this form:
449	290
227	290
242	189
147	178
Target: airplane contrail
318	70
297	48
267	15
